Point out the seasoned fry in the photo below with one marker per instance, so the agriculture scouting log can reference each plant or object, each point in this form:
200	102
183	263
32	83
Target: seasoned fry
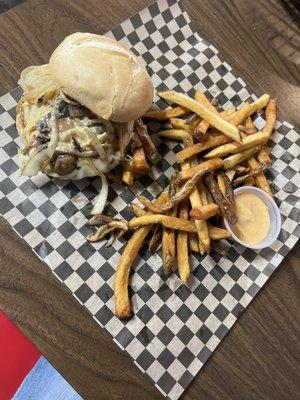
174	134
204	212
148	145
166	220
204	167
122	304
178	123
202	146
128	177
259	103
163	115
260	179
138	164
184	191
155	239
237	158
254	172
182	246
263	156
213	119
240	116
225	206
235	147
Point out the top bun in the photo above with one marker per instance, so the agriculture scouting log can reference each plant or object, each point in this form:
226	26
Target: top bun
103	75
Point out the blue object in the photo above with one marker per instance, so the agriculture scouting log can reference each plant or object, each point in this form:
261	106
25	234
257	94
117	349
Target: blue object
44	383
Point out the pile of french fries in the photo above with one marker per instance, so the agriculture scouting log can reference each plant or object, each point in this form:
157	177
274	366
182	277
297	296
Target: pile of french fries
222	149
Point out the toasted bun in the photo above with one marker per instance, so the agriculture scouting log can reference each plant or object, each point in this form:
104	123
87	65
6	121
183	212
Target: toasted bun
102	75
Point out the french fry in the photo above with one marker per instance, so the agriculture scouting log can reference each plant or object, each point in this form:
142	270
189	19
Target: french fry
254	172
236	147
260	179
250	125
201	129
225	206
182	246
213	119
260	103
240	116
195	123
178	123
230	173
203	194
215	233
237	158
149	147
128	177
271	112
174	134
155	239
138	164
169	246
205	167
249	182
263	156
164	115
165	220
193	242
202	146
122	303
221	184
229	194
204	212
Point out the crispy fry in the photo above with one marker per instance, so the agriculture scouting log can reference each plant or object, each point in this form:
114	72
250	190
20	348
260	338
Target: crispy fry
225	206
202	127
202	194
128	177
202	146
138	164
254	172
240	116
245	130
184	191
164	115
178	123
260	179
107	228
169	246
122	304
200	130
235	147
204	167
149	147
155	239
237	158
195	123
228	188
259	103
263	156
215	233
213	119
204	212
174	134
182	246
166	220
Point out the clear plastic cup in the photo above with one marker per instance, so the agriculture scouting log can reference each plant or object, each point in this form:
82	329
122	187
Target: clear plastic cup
275	219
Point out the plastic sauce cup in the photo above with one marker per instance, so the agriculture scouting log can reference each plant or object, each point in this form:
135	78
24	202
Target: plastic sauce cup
274	214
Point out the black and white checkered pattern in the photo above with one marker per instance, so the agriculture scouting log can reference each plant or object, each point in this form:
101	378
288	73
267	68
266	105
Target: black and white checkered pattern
175	327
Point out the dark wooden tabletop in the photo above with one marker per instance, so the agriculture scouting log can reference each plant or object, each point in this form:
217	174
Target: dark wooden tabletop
259	358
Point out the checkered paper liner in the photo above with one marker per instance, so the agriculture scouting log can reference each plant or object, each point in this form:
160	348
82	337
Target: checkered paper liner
175	328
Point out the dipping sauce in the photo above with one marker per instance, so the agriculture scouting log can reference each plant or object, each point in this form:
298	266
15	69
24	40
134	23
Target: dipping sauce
253	218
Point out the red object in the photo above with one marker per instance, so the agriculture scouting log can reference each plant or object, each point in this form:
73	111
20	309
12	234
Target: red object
17	357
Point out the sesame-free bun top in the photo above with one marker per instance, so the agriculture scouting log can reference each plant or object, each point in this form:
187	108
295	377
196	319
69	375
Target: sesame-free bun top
103	75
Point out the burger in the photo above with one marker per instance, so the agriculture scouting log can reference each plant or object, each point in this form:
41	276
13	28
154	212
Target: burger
76	115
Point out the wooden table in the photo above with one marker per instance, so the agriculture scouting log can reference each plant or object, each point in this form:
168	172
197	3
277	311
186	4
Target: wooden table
257	360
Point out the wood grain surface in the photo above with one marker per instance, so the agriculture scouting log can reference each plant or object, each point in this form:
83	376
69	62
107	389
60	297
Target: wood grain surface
259	358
